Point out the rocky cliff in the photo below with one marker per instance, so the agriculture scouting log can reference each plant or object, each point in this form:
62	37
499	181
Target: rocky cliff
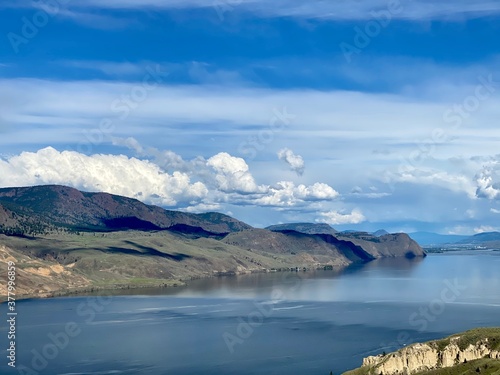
419	358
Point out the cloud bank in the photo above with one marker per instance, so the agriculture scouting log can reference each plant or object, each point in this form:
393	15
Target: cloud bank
116	174
202	185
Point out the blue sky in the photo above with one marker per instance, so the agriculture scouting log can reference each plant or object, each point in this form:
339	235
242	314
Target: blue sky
362	114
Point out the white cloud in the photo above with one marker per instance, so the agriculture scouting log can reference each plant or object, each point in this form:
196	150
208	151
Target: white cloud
116	174
69	110
166	159
486	185
286	194
485	228
203	207
358	192
434	177
204	185
29	104
494	210
232	174
230	179
459	230
296	162
340	218
129	142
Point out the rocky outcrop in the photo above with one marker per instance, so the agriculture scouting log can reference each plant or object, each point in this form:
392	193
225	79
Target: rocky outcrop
449	352
37	278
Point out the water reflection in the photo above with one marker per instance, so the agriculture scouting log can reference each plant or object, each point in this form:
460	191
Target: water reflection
414	280
321	285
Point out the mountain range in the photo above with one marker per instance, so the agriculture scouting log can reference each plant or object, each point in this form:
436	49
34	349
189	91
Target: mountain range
98	240
489	239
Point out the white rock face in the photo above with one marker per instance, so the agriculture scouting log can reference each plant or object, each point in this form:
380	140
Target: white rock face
424	357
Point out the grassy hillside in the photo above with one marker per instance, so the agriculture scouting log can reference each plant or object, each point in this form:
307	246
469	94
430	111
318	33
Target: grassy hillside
54	206
485	366
291	243
138	258
308	228
472	337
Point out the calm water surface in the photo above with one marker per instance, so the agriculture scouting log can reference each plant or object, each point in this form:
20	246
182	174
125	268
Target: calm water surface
281	323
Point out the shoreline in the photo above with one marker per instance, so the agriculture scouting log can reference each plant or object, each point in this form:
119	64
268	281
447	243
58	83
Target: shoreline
168	284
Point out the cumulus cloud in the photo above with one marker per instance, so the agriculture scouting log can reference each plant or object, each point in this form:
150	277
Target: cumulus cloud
232	173
203	185
486	185
339	218
203	207
116	174
296	162
286	194
166	159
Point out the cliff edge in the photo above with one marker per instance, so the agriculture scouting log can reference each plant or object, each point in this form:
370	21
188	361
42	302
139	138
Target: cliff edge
430	357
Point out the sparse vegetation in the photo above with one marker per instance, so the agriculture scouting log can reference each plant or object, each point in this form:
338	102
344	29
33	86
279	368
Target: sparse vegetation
485	366
487	336
116	241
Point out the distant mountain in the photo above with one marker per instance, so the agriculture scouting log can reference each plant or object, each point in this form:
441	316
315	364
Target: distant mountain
30	209
491	239
308	228
481	238
429	238
380	232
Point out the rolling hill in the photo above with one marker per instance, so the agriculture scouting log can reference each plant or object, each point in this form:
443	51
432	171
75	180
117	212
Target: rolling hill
491	239
106	241
64	207
485	238
308	228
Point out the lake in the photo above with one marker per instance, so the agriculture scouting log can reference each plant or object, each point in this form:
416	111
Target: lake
277	323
